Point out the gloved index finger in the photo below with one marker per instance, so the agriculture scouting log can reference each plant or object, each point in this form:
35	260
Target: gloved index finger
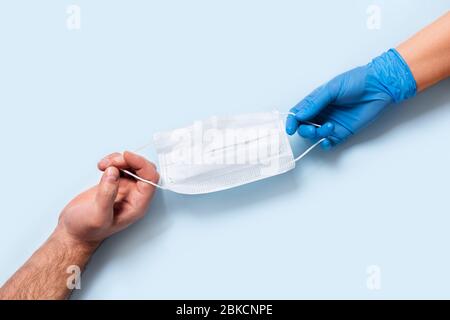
291	124
113	160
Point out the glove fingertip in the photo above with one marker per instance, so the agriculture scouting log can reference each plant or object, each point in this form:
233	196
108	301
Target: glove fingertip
290	131
326	144
291	125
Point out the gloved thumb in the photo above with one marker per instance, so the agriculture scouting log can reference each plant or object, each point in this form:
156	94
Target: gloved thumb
313	103
107	190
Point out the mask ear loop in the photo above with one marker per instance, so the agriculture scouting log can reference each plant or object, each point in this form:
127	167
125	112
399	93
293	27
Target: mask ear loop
311	147
139	178
142	179
136	176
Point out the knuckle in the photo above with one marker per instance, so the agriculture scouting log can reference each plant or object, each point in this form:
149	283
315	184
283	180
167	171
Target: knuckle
94	224
152	165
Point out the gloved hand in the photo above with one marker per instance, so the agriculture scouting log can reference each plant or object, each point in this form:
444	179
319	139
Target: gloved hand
352	100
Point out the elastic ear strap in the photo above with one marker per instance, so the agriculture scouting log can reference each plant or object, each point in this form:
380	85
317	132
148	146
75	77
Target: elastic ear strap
311	147
309	150
136	176
295	160
142	179
307	122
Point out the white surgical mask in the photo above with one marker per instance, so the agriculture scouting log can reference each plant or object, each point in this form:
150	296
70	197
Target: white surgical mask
223	152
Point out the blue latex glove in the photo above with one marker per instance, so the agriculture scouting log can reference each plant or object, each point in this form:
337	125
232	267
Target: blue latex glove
352	100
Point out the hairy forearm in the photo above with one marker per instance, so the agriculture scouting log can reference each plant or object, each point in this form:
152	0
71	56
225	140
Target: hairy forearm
427	53
46	274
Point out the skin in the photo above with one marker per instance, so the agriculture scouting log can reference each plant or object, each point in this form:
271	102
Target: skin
116	202
109	207
427	53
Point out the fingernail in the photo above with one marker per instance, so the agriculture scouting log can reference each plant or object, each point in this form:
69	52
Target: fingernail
111	174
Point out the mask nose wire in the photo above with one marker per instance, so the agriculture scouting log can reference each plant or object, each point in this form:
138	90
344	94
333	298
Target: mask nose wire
311	147
139	178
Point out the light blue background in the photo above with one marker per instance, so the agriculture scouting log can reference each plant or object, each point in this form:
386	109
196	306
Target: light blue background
136	67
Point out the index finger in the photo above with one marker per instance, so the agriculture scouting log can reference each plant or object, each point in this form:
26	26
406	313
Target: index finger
113	160
142	167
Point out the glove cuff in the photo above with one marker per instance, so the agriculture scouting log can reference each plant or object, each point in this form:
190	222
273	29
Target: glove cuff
394	75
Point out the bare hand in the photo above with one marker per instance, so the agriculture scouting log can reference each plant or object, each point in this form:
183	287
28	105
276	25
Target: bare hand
112	205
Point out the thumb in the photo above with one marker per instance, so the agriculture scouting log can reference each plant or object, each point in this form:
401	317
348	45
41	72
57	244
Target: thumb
313	103
107	189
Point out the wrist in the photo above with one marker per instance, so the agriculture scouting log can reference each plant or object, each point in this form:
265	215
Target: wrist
65	239
394	75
